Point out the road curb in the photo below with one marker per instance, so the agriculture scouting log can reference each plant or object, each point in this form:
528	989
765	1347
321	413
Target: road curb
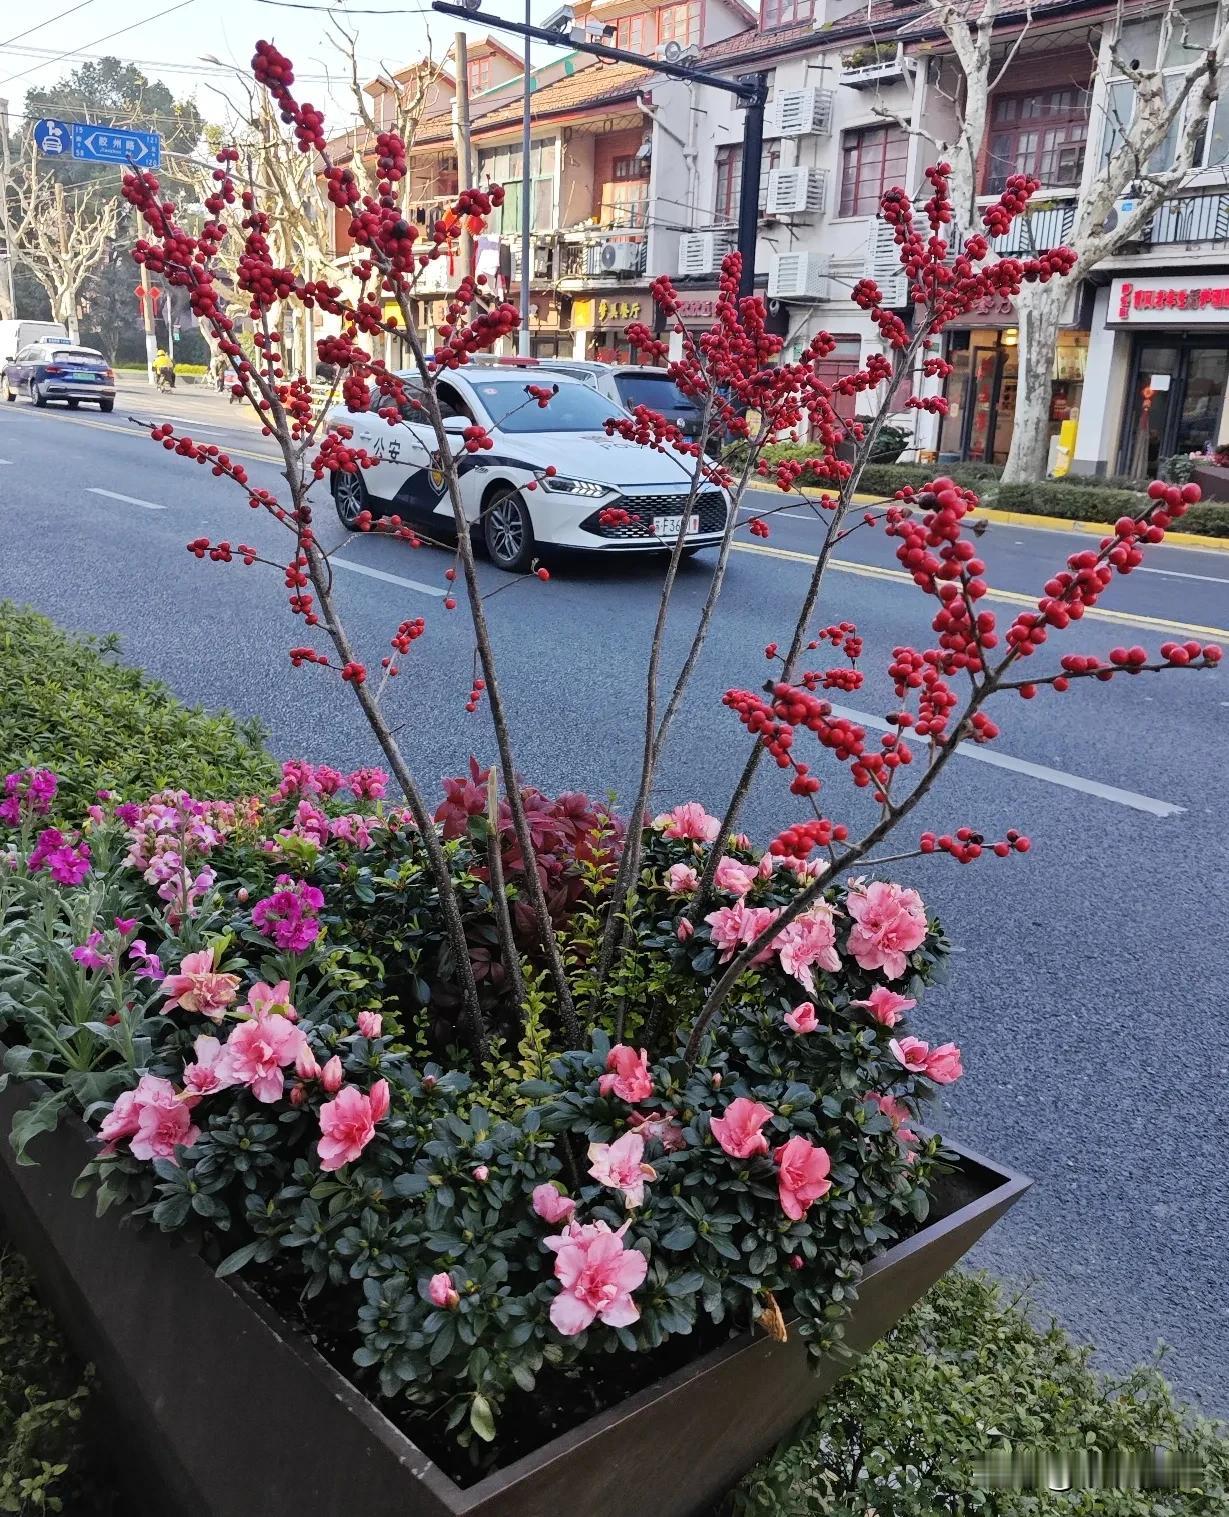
1042	523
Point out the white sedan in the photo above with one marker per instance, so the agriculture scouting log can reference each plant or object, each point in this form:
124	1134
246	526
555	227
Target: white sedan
594	472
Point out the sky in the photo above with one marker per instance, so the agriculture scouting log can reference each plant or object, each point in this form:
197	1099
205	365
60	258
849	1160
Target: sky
41	41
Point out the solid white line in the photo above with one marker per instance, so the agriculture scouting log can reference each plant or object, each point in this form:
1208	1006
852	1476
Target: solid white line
816	515
1034	771
6	460
200	426
131	500
391	579
1210	579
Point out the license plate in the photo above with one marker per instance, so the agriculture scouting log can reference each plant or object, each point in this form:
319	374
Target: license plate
671	526
82	374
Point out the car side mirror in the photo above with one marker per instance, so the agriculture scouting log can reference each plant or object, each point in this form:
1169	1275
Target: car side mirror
455	425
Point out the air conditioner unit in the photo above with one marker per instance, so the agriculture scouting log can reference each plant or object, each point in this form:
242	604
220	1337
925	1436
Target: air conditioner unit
701	252
619	257
883	264
796	192
800	276
800	113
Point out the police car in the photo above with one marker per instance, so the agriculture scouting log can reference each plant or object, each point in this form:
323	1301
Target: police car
594	471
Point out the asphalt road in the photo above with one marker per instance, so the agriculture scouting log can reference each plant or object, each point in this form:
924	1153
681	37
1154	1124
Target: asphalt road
1089	988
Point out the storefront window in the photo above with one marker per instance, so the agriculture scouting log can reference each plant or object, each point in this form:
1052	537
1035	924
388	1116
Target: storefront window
1177	401
981	391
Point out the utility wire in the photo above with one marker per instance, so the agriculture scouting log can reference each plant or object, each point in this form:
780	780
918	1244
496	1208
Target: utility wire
337	10
72	52
38	25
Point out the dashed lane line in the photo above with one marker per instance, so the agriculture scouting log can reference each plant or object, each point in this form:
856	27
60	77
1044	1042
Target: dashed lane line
136	431
1011	597
390	579
129	500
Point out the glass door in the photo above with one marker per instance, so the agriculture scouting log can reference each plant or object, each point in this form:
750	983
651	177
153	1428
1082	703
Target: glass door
1195	418
1157	376
984	383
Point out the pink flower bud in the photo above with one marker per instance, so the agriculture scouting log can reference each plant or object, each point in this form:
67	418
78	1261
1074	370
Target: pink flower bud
685	930
370	1023
482	1174
331	1075
241	895
717	1081
442	1292
305	1065
297	1095
429	1082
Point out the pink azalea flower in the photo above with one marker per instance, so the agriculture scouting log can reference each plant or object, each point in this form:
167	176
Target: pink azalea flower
889	922
550	1205
657	1127
898	1114
211	1072
688	822
332	1075
481	1173
681	879
370	1024
621	1166
274	999
257	1052
802	1018
441	1292
803	1176
734	927
738	1129
597	1274
686	930
885	1005
198	987
627	1074
809	940
735	878
348	1124
942	1064
125	1116
161	1130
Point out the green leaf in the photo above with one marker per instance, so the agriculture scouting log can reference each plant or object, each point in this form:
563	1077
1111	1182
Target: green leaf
43	1116
238	1259
481	1419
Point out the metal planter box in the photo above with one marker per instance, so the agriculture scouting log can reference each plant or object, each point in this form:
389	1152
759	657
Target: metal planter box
219	1409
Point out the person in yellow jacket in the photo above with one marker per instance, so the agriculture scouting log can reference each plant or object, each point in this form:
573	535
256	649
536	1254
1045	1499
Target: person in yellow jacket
164	370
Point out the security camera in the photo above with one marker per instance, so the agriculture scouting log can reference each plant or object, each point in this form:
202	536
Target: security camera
645	151
561	20
472	6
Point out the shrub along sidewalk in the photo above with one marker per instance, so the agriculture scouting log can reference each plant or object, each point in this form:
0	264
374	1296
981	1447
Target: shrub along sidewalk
899	1436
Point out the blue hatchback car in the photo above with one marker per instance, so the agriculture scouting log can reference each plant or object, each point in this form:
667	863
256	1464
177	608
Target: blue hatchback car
46	371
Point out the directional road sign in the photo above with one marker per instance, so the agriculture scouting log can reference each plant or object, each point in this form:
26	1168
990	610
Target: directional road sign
113	144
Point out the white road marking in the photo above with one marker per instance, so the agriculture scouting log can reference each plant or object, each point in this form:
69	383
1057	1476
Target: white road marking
130	500
6	460
1210	579
391	579
1034	771
816	515
198	426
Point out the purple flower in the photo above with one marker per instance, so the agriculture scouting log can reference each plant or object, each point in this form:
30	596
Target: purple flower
28	791
65	862
287	916
149	965
89	955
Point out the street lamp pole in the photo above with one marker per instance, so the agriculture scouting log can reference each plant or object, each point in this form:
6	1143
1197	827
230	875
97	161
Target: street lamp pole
526	201
751	89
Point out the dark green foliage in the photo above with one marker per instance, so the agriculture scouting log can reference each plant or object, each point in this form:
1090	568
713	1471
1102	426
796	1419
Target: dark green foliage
46	1460
901	1431
65	704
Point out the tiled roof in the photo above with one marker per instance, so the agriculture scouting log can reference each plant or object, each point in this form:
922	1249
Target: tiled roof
882	18
1010	12
596	85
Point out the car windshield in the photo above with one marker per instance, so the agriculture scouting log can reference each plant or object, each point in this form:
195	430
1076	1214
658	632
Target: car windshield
575	407
657	391
81	356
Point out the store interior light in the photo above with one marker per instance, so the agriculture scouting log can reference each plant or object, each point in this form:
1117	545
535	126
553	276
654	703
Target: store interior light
1011	337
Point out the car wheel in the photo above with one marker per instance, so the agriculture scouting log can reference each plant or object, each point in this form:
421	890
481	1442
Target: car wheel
10	394
106	405
73	404
507	532
350	499
37	396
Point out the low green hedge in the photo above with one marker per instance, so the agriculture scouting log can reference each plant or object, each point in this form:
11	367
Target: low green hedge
191	370
966	1369
67	705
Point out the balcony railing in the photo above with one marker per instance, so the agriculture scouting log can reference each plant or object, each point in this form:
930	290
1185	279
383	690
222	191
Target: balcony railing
1191	218
583	260
1036	231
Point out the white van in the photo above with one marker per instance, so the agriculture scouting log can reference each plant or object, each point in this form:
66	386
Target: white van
14	335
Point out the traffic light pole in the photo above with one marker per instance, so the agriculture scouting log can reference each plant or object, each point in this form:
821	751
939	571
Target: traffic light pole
751	89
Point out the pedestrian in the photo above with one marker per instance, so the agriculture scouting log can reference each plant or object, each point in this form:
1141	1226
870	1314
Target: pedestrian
219	370
164	371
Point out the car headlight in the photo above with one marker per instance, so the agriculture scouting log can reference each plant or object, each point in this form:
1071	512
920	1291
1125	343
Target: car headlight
559	484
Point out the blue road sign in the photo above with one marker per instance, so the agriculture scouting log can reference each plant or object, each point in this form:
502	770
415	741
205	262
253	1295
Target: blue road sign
116	144
54	138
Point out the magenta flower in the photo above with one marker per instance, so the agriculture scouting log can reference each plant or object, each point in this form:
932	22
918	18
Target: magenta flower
258	1051
889	922
809	940
198	987
441	1292
368	784
738	1130
688	822
802	1019
885	1005
627	1074
287	916
211	1071
735	878
67	863
348	1123
597	1274
125	925
550	1205
802	1176
27	792
149	965
87	953
621	1166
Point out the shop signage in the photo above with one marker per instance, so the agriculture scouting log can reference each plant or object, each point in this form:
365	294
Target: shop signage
697	307
993	311
618	310
1170	300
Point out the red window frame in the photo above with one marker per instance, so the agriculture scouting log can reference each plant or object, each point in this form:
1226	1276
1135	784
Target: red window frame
729	178
775	13
873	158
479	75
628	166
679	23
1039	132
635	32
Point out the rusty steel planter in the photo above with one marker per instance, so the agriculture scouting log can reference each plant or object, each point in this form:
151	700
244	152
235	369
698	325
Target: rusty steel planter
220	1410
